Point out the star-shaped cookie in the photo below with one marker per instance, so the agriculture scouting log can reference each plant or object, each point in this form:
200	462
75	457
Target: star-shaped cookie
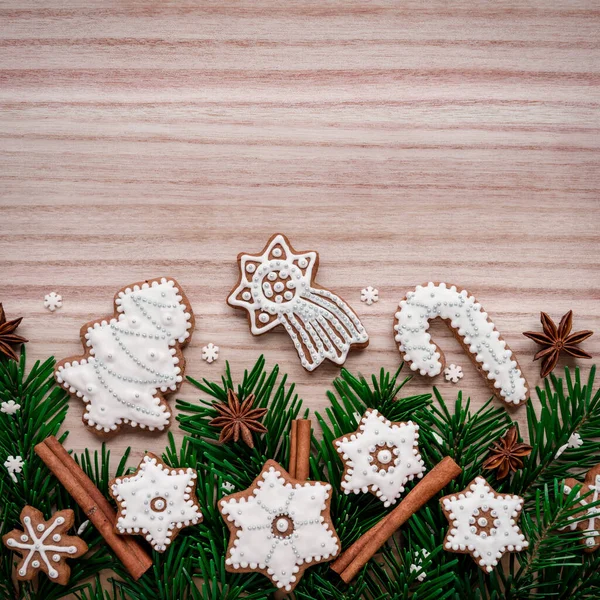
45	545
591	490
277	287
279	526
156	501
483	523
380	457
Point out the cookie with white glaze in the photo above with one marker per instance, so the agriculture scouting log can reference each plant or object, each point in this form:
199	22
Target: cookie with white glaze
472	328
279	526
133	358
277	288
483	523
381	457
44	545
156	501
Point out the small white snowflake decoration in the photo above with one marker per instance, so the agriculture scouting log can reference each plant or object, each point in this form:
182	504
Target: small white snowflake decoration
210	353
417	565
52	301
14	464
590	526
157	501
483	523
574	441
227	487
381	457
279	526
10	407
369	295
453	373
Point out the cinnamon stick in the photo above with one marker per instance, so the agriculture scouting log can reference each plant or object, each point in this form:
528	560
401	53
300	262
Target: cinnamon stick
303	449
293	448
369	543
96	507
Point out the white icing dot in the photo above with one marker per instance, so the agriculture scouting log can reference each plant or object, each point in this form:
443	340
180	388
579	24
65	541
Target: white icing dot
263	318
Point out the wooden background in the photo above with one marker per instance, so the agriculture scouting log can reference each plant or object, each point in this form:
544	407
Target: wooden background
405	141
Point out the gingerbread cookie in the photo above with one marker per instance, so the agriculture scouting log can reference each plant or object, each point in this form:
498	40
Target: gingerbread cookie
277	287
483	523
279	526
380	457
590	488
132	358
44	545
156	501
471	327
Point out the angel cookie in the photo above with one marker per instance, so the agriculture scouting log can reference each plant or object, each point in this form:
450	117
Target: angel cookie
277	287
132	358
279	526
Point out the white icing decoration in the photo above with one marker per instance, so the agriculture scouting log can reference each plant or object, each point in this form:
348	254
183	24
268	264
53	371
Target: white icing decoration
376	436
10	407
591	528
574	441
52	301
14	464
453	373
471	324
321	325
275	502
463	511
417	564
210	353
132	357
369	295
156	501
36	544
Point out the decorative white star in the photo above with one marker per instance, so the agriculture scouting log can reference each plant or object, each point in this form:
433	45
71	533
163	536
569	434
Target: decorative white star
483	523
156	501
589	526
52	301
453	373
10	407
279	526
14	464
276	288
210	353
381	457
369	295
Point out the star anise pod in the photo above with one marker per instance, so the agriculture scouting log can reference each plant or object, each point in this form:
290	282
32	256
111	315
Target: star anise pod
237	419
556	340
506	454
8	336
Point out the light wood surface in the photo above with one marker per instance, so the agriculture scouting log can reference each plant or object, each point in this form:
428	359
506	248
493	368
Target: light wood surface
405	142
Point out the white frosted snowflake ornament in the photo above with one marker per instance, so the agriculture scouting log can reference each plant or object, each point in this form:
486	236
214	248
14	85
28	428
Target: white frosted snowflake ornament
210	353
574	441
14	464
277	287
10	407
380	457
279	526
52	301
483	523
417	565
369	295
157	501
453	373
589	493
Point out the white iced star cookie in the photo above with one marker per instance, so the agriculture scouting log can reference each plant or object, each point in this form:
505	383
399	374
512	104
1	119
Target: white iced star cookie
277	287
44	545
279	526
471	327
483	523
380	457
132	359
590	526
156	501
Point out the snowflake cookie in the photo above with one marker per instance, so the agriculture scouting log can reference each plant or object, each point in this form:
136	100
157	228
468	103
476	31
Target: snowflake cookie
279	526
277	287
483	523
470	325
369	295
590	526
156	501
52	301
14	464
453	373
380	457
210	353
44	545
132	359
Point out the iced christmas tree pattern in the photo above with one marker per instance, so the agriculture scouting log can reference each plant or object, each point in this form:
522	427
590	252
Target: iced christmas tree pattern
132	358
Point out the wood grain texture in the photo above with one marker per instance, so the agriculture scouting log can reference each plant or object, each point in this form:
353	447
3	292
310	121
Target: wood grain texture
405	142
